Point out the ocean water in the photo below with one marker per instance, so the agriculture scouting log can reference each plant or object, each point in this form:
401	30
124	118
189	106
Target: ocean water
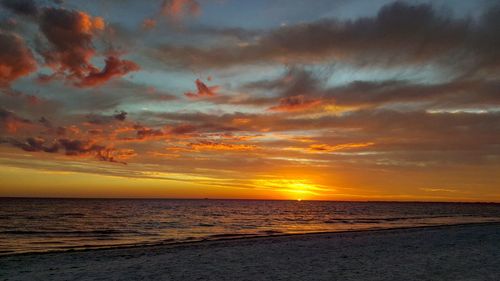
40	225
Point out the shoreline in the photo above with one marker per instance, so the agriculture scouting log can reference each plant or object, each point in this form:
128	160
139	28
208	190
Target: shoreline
238	237
449	252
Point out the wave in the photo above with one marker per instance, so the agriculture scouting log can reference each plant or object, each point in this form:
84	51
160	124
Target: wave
230	235
271	232
219	237
206	224
388	219
70	232
78	223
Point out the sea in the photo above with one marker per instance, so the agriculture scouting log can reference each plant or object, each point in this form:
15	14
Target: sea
43	225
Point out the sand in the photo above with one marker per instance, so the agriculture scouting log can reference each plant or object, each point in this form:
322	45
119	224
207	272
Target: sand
466	252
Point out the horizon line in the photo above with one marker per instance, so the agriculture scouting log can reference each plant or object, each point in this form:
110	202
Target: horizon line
246	199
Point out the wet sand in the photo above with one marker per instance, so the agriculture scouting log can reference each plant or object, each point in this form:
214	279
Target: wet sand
462	252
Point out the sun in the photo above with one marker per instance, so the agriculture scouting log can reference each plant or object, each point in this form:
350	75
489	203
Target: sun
292	189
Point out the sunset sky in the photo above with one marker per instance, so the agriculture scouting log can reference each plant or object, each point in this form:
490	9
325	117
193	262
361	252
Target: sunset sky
282	99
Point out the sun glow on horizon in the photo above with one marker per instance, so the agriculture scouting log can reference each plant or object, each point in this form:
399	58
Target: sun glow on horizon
292	189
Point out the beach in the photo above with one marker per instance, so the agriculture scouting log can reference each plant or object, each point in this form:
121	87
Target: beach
459	252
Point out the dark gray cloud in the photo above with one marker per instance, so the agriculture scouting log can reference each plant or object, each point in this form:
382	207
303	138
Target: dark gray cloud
10	122
21	7
301	87
120	116
35	144
16	59
71	147
400	34
457	93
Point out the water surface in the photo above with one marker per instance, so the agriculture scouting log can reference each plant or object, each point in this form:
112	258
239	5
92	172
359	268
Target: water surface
39	225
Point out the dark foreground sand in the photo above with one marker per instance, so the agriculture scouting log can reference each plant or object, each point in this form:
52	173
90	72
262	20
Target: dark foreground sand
467	252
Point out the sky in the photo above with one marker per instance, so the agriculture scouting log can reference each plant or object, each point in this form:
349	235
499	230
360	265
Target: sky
282	99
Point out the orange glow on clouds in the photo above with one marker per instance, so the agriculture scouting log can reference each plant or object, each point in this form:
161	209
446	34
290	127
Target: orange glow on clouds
89	24
154	101
329	148
222	146
292	189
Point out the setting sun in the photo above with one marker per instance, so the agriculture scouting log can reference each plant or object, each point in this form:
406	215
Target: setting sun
291	189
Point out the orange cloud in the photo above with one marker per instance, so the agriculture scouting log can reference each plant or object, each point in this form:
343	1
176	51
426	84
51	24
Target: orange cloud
146	133
114	68
316	148
149	24
16	60
241	121
208	145
70	37
183	129
179	8
202	90
11	122
295	103
89	24
163	155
